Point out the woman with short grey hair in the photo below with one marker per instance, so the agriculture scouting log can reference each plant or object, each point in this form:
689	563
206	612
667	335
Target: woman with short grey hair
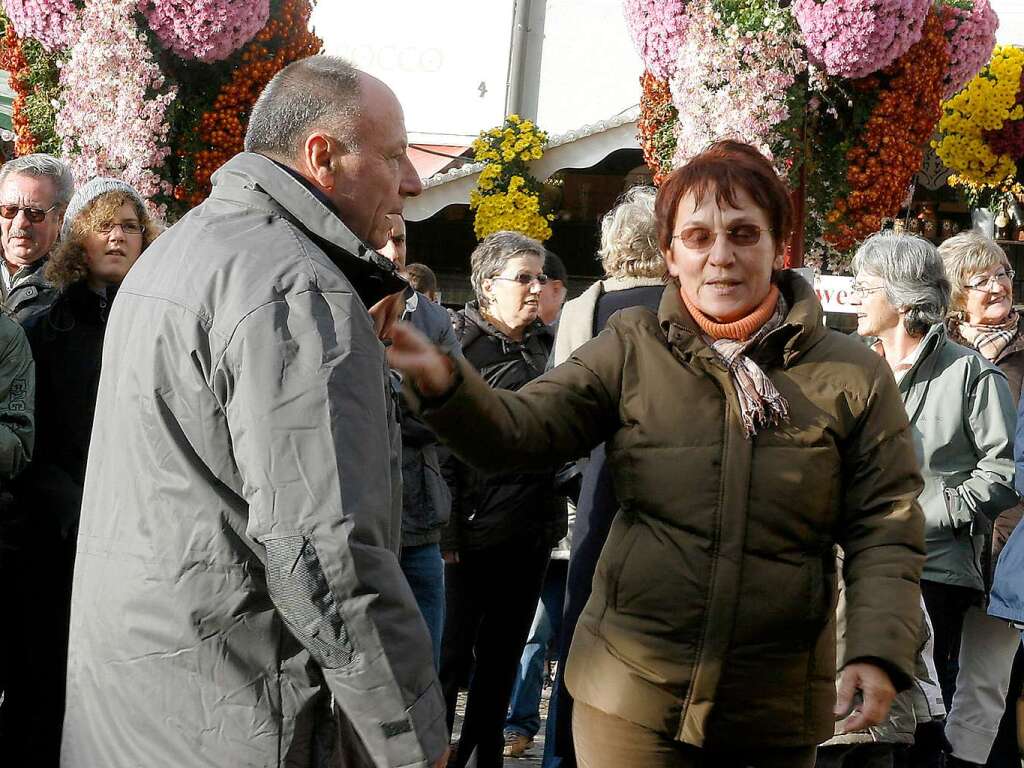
502	526
962	417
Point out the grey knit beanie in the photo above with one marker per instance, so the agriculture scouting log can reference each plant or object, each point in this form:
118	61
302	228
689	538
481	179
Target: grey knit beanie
88	192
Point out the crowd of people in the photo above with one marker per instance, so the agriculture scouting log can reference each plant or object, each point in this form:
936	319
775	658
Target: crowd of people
266	502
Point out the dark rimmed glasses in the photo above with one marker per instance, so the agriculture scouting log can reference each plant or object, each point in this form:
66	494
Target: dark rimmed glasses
703	238
35	215
525	278
127	227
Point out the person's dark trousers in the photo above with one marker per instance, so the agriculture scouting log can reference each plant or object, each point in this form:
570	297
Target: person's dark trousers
424	570
491	599
35	589
868	755
929	747
1005	752
594	515
524	708
946	605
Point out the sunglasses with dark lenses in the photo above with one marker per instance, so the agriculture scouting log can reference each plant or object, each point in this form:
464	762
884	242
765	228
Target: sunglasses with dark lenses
35	215
702	238
525	278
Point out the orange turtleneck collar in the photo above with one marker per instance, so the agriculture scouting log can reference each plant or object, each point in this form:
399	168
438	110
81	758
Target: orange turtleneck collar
741	329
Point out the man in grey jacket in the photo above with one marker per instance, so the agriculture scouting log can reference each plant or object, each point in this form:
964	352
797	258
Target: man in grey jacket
238	598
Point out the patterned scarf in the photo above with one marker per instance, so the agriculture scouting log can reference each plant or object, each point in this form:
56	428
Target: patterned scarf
761	404
989	340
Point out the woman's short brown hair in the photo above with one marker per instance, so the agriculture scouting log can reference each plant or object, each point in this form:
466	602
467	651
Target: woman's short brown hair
67	262
726	166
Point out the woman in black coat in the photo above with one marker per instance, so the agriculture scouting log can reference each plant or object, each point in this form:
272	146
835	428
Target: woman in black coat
105	230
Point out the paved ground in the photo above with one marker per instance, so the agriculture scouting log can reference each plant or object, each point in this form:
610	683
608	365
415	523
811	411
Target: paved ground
532	758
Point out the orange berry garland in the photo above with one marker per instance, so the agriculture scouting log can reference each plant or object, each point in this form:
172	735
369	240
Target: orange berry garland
655	125
13	61
284	39
891	147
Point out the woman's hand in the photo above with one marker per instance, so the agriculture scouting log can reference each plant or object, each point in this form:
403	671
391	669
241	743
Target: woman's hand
415	356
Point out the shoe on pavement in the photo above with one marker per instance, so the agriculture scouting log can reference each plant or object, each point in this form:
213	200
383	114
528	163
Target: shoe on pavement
516	744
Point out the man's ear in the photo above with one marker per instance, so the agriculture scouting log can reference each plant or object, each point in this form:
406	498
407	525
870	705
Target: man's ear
319	159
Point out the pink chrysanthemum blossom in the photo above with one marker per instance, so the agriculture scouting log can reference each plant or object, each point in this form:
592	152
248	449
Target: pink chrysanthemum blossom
657	28
48	21
853	38
208	30
972	38
732	84
112	121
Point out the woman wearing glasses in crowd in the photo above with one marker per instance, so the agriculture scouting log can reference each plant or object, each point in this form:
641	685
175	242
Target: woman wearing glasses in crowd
105	229
962	417
983	318
503	525
744	440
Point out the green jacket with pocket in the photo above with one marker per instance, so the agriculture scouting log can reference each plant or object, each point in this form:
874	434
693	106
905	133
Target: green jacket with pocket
712	615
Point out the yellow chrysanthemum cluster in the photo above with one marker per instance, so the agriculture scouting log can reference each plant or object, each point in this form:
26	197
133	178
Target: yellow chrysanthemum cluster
985	104
516	209
506	195
517	139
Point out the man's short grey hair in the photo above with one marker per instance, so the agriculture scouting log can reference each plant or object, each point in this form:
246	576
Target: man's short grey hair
629	237
40	165
966	255
912	274
493	253
318	92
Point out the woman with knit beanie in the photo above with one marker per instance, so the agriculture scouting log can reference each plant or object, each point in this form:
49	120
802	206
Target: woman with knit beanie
105	229
744	441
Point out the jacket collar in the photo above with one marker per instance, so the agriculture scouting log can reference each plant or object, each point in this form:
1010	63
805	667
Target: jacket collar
475	316
800	331
933	341
258	181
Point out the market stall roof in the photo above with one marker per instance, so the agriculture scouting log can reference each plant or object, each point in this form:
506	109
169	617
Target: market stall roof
430	159
6	101
579	148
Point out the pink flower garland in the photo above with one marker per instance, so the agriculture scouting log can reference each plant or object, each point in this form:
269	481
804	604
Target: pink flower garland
853	38
113	118
972	38
729	84
208	30
657	28
48	21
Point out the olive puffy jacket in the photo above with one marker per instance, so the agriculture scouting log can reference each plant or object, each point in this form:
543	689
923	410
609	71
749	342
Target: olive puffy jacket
712	615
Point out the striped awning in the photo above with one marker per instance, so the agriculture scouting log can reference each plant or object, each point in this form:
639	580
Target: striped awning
6	101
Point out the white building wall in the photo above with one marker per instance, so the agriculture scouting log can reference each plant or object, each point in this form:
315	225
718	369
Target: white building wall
580	63
1011	21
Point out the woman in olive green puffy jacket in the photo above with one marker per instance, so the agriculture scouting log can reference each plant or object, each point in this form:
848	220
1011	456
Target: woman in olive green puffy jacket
744	441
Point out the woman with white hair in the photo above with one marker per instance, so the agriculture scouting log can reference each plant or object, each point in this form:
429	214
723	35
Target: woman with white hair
634	276
983	318
962	419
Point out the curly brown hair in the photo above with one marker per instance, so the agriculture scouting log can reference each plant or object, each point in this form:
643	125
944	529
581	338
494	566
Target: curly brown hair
67	263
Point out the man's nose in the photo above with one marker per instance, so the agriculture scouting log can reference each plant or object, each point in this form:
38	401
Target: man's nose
536	287
411	184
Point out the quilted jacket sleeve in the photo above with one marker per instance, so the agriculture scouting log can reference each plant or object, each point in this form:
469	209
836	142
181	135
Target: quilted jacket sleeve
308	406
882	534
17	399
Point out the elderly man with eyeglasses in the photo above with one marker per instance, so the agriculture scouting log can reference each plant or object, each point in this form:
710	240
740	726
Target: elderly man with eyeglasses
34	192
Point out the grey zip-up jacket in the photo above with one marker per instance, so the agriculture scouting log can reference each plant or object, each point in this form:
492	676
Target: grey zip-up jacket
237	557
962	418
